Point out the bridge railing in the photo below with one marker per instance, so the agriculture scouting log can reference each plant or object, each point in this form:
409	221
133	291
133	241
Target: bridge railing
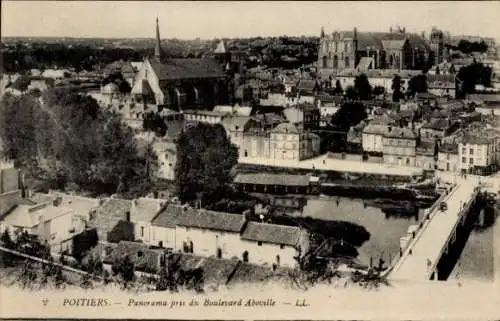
460	215
428	215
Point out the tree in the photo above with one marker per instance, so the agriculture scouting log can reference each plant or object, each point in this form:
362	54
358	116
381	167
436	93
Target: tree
6	240
417	84
205	157
154	122
378	90
125	268
338	88
472	75
21	83
362	87
396	88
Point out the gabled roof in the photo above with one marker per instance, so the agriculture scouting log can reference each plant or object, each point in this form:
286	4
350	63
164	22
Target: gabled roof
221	48
286	128
145	209
272	233
112	211
192	68
219	221
393	45
168	216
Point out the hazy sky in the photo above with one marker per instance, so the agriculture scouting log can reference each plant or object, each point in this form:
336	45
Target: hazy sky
207	20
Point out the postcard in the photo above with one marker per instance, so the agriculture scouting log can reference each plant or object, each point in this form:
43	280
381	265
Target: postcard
275	160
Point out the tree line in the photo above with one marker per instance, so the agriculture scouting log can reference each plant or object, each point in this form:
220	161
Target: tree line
65	140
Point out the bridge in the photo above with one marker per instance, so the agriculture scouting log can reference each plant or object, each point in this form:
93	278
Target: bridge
436	235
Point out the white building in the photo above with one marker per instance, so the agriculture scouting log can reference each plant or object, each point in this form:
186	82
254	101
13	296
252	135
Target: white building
371	139
163	225
479	152
142	213
292	143
271	244
448	158
166	152
207	233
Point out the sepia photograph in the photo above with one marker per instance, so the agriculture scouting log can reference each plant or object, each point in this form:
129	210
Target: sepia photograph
250	159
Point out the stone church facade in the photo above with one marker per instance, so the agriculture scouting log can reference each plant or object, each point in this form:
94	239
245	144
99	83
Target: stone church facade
180	83
396	50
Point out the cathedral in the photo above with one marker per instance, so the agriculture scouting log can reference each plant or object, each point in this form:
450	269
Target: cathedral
356	50
180	83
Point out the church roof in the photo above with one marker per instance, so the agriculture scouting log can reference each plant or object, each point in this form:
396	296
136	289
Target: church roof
192	68
221	48
374	40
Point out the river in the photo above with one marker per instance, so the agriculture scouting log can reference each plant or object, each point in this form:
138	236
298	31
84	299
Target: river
385	231
476	261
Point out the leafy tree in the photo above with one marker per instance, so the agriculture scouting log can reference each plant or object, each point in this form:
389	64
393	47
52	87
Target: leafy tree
472	75
204	160
349	114
6	240
21	83
154	122
338	87
396	88
125	268
417	84
362	87
378	90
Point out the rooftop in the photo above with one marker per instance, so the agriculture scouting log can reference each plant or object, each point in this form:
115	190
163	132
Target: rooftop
272	233
272	179
175	69
168	216
145	209
211	220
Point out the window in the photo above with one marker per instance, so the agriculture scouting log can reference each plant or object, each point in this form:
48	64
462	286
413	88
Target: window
347	62
324	62
142	231
471	160
464	160
282	246
335	62
471	151
139	254
464	151
259	243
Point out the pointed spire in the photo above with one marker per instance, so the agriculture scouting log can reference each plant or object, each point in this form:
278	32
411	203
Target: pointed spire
322	35
158	42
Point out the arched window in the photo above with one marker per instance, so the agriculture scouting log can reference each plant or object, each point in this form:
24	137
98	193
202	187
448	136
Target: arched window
347	65
391	61
335	62
324	62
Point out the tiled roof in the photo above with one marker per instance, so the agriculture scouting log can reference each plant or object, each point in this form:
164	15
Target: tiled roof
272	179
286	128
398	132
393	45
448	148
235	123
112	211
220	221
175	69
375	129
437	124
272	233
168	216
307	85
145	209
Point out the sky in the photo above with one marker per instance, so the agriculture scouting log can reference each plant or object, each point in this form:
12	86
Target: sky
227	19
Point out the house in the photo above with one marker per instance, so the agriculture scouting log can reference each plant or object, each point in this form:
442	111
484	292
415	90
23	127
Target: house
142	213
235	126
256	143
307	87
399	146
289	142
80	205
273	183
50	222
442	85
479	152
208	233
372	136
112	221
328	105
166	151
448	158
273	245
305	115
437	129
56	74
425	156
10	187
163	225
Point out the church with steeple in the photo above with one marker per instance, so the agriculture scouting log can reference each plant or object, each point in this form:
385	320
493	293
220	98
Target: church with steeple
180	84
